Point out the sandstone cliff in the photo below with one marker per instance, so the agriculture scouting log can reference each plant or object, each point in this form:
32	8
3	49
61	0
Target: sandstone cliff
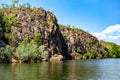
82	42
15	23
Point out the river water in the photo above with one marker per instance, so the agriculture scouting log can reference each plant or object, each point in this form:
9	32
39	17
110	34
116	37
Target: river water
102	69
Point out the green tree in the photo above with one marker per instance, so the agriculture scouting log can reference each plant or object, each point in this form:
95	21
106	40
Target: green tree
28	5
15	2
27	51
3	5
73	27
43	52
1	13
78	50
38	39
115	50
69	25
8	21
6	53
25	40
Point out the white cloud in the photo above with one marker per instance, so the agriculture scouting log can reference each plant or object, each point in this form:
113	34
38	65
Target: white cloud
100	35
114	37
112	29
109	33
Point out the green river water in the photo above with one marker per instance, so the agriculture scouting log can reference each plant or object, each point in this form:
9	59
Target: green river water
102	69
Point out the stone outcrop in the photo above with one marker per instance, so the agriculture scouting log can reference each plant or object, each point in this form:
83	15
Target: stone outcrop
82	42
32	21
58	39
56	58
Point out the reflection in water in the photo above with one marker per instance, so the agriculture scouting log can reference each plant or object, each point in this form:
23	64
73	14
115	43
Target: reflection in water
106	69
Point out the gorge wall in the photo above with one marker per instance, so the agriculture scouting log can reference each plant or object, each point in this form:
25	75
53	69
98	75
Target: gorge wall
16	23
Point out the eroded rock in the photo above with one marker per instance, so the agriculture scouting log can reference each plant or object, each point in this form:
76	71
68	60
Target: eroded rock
56	58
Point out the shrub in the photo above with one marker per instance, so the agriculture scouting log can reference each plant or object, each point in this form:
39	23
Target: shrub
31	51
27	51
25	40
69	25
6	53
78	50
9	52
15	2
90	42
2	53
1	13
115	51
89	55
8	21
43	52
99	56
92	55
38	39
85	56
11	37
28	5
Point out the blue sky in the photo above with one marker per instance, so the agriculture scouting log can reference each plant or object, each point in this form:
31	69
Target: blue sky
99	17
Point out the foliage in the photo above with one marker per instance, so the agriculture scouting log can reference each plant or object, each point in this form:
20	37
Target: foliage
1	13
6	53
28	5
31	50
114	49
11	37
8	21
90	42
69	25
2	53
25	40
78	50
28	51
98	56
89	55
44	53
38	39
15	2
75	28
3	5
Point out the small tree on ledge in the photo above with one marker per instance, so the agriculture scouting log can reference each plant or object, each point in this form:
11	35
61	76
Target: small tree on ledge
15	2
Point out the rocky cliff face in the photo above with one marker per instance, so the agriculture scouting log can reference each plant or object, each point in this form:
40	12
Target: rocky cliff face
32	21
81	42
2	44
1	36
63	40
1	30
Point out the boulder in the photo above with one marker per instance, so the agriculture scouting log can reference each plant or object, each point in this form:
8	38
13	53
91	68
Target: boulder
56	57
